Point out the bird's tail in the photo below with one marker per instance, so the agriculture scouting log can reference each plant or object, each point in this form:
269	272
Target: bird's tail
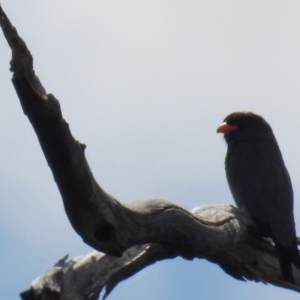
287	256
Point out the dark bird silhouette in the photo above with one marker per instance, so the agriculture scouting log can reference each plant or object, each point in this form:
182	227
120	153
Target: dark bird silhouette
260	183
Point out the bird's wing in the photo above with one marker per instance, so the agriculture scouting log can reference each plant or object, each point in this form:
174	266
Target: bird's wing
260	184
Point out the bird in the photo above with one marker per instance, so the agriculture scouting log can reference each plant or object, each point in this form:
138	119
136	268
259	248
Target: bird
260	183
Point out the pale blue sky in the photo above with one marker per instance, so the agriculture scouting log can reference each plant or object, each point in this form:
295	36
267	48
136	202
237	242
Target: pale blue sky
144	84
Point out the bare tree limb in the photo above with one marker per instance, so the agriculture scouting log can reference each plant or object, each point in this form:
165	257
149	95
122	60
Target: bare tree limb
134	235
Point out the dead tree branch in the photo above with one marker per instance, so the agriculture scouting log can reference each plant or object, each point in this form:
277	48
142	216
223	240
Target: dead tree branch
134	235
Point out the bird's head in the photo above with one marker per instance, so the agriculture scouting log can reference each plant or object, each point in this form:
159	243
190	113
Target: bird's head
244	126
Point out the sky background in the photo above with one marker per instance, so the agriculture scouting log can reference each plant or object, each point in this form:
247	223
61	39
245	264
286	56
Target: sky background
144	84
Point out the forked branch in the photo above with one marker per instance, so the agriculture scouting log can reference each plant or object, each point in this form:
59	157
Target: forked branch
134	235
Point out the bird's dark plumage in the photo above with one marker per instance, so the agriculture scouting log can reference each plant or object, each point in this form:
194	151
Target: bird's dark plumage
260	183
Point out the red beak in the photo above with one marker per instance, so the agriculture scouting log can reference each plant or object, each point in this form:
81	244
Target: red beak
225	128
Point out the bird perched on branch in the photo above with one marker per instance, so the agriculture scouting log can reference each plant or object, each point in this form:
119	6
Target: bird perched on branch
260	183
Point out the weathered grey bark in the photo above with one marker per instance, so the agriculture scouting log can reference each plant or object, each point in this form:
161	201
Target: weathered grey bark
134	235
